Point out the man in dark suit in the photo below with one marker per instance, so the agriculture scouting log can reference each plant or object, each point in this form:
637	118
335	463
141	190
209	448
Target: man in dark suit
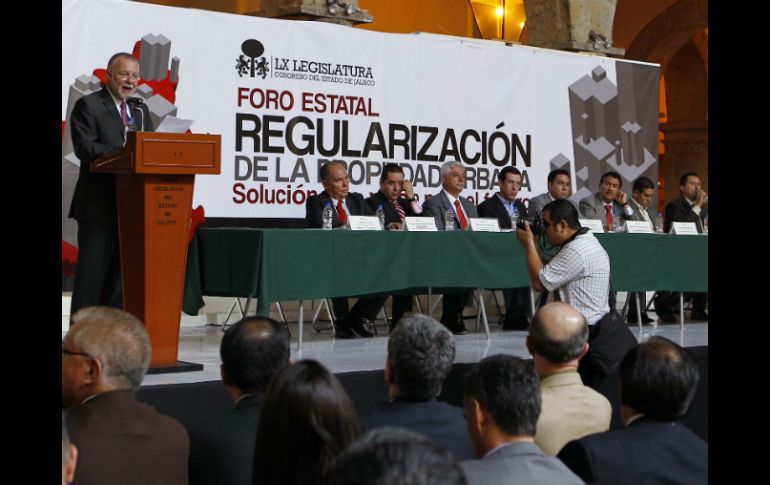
222	446
559	187
120	440
420	355
658	380
642	193
504	206
98	129
396	208
453	182
687	208
502	404
336	183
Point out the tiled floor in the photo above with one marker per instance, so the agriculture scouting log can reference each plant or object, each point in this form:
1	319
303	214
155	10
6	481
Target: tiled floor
201	345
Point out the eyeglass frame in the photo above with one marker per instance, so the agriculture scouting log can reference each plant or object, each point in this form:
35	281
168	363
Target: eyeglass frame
71	352
126	75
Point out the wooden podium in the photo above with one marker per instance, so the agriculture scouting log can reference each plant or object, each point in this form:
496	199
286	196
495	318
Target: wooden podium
155	173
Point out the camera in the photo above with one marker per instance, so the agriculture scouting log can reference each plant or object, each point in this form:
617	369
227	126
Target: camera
535	224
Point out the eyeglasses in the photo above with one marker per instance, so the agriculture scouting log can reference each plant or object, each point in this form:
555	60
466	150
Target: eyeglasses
70	352
127	75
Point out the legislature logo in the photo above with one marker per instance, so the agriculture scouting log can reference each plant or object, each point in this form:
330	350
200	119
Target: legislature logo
250	63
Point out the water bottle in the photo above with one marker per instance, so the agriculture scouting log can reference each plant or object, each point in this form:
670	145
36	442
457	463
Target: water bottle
706	223
130	126
659	223
327	215
449	220
514	217
380	213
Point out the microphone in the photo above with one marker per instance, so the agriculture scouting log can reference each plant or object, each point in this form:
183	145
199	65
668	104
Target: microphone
136	104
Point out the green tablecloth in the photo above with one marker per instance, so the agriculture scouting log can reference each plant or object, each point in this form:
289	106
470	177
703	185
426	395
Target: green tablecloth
296	264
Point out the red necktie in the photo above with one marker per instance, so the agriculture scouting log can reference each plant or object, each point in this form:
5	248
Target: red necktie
608	209
397	206
460	215
341	214
124	113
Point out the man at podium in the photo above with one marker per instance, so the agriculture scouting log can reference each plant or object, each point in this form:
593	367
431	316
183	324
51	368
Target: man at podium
98	124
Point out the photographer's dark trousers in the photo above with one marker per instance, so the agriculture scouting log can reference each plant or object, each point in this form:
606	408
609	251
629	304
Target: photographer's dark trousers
609	339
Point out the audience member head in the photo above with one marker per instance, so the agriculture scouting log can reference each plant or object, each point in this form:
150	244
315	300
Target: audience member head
252	351
392	180
122	75
105	349
560	221
610	184
396	456
642	191
558	337
420	355
501	402
335	180
658	378
559	184
453	177
69	454
509	181
306	421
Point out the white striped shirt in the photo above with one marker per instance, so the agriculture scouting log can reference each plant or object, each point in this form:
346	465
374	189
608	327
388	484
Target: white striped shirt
580	271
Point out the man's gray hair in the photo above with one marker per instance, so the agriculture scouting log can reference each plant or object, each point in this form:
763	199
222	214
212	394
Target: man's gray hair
421	352
118	339
447	166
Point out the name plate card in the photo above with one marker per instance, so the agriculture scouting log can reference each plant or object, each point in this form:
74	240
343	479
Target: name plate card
593	225
420	224
364	223
484	224
639	227
680	228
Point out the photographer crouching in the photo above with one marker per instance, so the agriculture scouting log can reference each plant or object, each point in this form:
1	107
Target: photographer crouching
580	274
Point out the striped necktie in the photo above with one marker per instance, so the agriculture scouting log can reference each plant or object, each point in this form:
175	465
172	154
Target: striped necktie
397	206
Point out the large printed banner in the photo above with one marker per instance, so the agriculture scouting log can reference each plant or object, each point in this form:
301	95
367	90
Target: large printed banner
289	96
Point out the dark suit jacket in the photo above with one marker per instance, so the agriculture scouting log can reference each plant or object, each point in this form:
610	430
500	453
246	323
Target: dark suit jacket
492	207
680	211
518	463
646	451
122	441
437	206
222	446
437	420
390	213
315	204
97	130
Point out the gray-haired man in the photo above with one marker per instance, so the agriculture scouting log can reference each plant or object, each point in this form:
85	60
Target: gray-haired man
452	182
120	440
420	355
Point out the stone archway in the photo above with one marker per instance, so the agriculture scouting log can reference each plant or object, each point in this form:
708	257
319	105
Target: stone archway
677	40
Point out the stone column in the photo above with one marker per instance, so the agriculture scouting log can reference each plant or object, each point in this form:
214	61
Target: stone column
572	25
343	12
687	150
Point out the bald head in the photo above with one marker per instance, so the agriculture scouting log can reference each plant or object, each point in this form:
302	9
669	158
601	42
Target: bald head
558	333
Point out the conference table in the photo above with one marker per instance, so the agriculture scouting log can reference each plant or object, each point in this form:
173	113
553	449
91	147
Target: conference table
274	265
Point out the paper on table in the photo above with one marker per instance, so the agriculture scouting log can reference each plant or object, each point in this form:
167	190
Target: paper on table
172	124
